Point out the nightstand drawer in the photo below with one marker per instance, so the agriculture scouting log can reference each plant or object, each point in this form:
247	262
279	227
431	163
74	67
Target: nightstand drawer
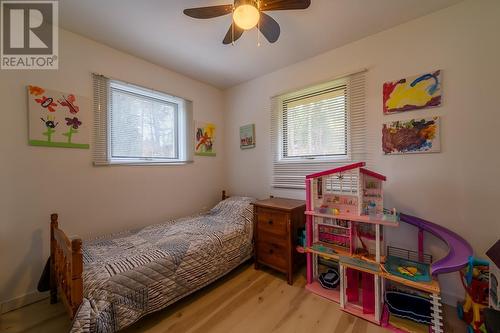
272	222
272	252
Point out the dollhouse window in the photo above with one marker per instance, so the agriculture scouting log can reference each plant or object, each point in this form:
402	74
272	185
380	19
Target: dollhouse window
135	125
317	128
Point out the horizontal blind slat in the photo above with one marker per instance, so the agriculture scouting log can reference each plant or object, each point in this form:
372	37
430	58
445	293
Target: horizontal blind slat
291	173
100	106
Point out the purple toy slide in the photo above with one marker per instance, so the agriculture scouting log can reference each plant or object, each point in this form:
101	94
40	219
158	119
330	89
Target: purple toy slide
459	250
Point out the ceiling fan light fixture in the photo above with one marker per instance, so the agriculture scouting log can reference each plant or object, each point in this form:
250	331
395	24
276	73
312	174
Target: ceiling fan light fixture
246	16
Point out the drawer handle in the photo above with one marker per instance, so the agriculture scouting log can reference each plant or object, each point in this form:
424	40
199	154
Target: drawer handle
270	222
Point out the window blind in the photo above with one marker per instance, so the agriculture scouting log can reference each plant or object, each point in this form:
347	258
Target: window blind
314	125
316	129
138	125
101	95
143	126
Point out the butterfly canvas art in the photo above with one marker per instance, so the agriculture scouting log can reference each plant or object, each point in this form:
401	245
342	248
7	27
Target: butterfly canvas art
57	119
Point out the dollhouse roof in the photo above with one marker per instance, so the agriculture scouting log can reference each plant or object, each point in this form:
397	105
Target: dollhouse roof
494	253
348	167
373	174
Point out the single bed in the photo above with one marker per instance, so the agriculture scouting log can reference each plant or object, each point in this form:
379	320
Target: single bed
111	282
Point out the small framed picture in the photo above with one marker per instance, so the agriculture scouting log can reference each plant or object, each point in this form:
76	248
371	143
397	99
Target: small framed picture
247	136
204	139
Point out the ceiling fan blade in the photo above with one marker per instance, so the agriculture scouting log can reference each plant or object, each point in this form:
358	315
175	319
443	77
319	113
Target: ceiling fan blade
269	28
229	35
208	12
284	4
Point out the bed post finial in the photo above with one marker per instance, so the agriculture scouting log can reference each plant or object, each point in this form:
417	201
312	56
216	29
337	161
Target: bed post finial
76	245
53	219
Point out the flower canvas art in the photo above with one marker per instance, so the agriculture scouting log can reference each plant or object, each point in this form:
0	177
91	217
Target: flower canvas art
57	119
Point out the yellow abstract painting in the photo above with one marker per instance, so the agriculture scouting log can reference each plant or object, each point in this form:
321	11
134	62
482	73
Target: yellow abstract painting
413	93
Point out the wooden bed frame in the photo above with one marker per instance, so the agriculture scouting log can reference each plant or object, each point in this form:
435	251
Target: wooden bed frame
66	267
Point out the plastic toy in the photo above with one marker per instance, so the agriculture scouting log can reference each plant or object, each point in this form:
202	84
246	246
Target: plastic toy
345	222
412	270
301	239
494	255
476	283
329	279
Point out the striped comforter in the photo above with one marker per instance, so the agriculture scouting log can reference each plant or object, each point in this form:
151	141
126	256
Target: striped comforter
129	275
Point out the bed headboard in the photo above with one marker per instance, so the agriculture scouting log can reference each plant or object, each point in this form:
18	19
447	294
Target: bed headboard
224	196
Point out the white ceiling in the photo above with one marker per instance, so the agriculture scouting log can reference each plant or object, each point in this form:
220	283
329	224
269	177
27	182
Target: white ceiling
158	31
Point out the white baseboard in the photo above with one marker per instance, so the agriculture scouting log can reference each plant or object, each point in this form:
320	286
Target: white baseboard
21	301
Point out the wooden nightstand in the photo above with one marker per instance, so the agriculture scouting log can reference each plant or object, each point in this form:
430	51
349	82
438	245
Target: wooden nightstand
276	224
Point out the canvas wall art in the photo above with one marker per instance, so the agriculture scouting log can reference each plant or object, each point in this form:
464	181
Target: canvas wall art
204	139
57	119
247	136
411	136
412	93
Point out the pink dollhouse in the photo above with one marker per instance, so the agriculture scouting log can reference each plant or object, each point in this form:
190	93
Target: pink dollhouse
346	257
345	214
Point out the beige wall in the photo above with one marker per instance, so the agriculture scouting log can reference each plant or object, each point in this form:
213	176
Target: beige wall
35	181
457	188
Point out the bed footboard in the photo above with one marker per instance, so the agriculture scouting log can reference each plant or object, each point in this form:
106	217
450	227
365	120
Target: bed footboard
66	268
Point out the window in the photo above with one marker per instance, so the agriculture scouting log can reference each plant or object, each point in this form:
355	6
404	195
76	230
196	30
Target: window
317	128
315	125
135	125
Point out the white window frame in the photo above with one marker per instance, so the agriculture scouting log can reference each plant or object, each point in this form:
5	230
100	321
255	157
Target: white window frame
289	173
103	109
313	158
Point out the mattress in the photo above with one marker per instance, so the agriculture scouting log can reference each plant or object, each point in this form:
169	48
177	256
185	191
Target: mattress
136	272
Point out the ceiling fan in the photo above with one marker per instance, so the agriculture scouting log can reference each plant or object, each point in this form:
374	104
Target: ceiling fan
248	14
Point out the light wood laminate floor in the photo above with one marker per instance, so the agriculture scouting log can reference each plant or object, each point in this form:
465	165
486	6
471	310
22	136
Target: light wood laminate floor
246	300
